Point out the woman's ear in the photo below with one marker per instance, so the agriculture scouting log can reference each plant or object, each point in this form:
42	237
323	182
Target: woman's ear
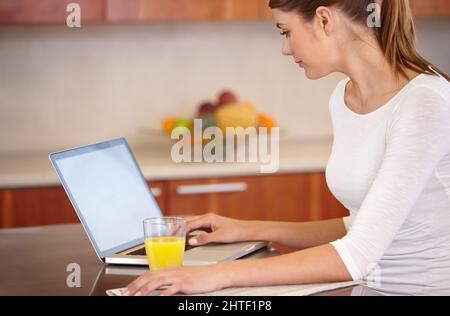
325	19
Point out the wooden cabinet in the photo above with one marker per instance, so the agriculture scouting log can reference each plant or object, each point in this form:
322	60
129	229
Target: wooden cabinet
46	206
48	11
54	11
35	207
431	8
290	197
185	10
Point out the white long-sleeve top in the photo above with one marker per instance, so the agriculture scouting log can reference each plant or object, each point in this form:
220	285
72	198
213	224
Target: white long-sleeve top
391	169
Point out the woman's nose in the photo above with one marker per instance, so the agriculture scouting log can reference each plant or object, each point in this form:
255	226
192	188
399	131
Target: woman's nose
286	50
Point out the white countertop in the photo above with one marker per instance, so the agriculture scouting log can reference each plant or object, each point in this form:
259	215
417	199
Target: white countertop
156	164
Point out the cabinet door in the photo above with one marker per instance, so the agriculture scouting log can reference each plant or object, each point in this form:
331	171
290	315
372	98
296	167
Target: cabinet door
233	197
157	10
247	10
265	12
48	11
185	10
35	207
431	8
49	206
292	197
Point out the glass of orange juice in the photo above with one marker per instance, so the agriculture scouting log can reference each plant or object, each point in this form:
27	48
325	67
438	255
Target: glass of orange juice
164	242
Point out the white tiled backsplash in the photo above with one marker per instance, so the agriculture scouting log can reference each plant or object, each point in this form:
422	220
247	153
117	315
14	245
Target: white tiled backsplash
63	87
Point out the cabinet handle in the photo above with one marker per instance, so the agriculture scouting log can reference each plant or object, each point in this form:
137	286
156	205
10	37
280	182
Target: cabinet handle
211	188
157	192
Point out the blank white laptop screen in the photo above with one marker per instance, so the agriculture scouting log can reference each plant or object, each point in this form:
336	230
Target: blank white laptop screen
109	193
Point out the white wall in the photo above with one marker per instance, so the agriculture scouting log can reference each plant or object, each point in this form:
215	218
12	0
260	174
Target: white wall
63	87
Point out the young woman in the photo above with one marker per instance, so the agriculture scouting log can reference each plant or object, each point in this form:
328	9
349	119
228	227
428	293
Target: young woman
390	163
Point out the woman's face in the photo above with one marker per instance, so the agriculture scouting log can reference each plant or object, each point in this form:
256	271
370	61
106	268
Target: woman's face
310	43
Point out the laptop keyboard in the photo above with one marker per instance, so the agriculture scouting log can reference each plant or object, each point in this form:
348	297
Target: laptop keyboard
141	251
138	252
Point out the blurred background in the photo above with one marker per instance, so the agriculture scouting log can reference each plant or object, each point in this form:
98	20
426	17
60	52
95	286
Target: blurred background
127	68
133	63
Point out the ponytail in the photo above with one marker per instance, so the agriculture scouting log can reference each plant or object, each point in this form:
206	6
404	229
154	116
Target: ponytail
397	39
396	36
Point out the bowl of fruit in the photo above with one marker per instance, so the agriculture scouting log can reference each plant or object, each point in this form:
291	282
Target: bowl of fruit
227	113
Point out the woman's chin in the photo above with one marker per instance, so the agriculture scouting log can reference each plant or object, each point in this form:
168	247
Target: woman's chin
311	75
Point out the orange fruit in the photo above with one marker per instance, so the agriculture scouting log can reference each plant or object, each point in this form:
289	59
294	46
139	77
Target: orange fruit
169	124
267	121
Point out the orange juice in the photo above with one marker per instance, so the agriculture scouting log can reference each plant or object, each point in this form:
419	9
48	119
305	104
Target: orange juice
164	252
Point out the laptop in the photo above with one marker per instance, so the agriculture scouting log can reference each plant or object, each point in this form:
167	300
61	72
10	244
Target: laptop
112	198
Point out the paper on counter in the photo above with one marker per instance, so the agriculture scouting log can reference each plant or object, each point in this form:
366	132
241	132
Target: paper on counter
279	290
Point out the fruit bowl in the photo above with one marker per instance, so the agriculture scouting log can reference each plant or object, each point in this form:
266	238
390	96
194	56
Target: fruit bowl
222	129
226	113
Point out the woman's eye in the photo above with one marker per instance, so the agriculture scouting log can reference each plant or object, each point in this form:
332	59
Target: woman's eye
285	34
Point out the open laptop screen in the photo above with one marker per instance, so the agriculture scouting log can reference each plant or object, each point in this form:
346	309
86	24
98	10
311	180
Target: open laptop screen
109	193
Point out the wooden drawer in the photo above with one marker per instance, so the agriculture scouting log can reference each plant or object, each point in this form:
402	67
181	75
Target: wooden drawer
293	197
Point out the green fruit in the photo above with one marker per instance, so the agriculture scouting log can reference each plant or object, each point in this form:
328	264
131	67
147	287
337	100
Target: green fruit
182	122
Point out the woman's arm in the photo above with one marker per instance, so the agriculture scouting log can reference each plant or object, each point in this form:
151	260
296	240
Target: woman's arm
294	235
314	265
298	235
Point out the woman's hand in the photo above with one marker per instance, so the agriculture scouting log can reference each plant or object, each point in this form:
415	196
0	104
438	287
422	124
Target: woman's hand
223	229
195	280
187	280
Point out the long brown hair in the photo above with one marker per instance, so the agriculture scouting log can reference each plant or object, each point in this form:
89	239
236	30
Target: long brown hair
396	36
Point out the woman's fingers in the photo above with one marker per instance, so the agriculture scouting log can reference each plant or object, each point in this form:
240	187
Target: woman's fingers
204	238
140	282
193	217
134	286
204	221
171	290
178	280
155	284
179	230
149	283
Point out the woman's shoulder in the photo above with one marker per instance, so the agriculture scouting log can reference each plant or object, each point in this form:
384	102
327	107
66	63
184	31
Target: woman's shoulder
426	99
429	86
